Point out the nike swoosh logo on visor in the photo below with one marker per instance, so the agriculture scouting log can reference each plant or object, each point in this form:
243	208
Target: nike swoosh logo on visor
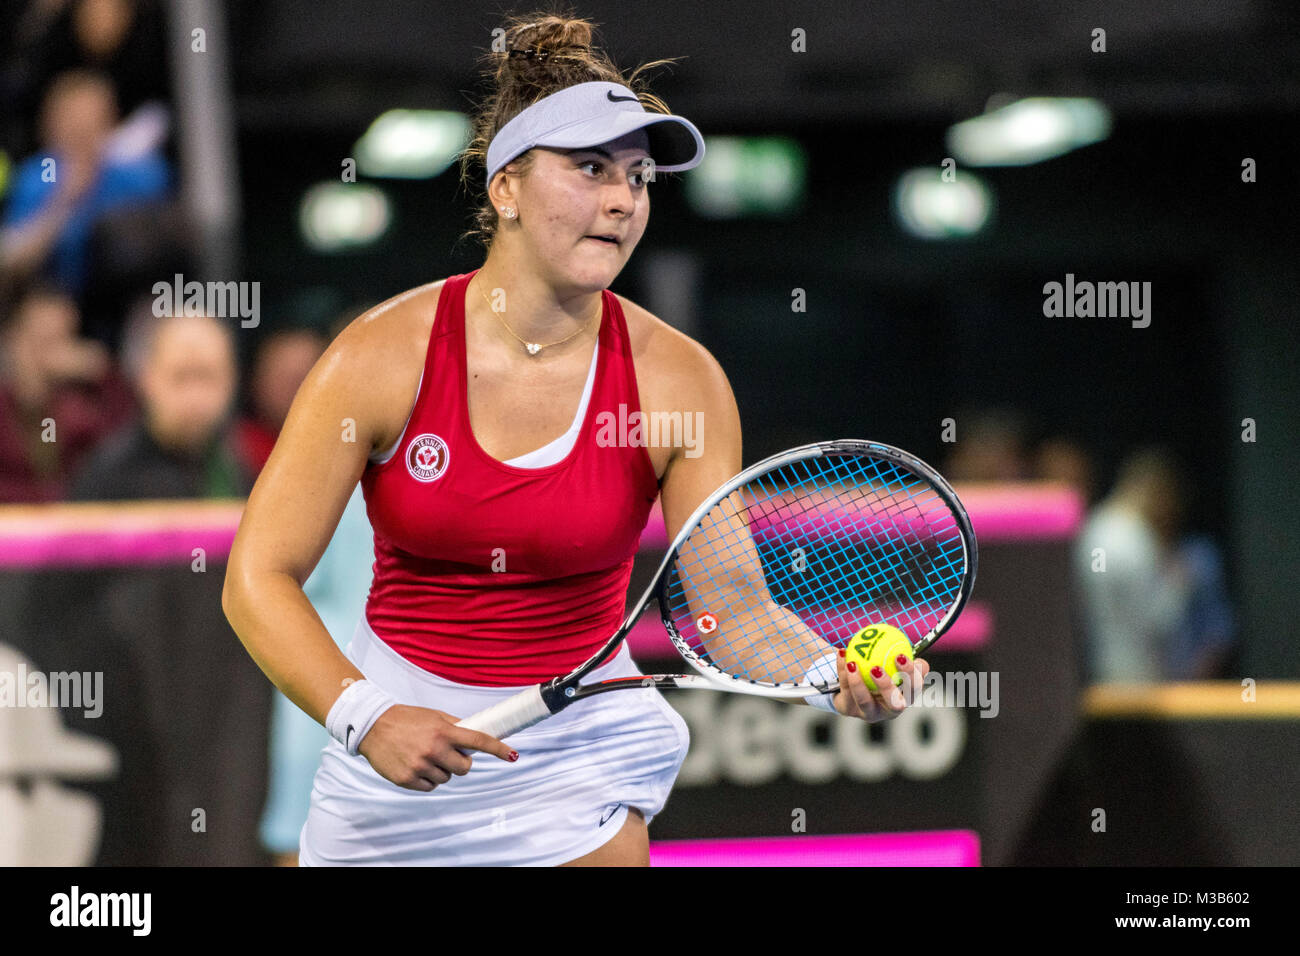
619	99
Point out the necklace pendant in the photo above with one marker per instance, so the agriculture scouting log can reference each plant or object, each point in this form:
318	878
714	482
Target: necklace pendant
533	348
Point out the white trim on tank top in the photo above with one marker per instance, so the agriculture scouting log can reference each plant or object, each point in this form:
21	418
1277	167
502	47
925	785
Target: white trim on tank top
550	453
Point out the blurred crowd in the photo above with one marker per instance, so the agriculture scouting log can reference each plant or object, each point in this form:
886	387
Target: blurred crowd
1151	598
100	396
105	392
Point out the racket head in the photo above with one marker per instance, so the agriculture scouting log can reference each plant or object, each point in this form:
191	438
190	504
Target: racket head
848	533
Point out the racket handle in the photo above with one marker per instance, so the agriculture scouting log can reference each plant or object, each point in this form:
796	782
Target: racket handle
510	715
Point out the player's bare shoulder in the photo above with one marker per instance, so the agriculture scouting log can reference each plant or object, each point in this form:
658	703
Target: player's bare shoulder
378	358
392	326
673	370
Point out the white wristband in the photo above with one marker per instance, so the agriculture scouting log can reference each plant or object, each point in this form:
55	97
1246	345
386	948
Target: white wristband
825	671
355	712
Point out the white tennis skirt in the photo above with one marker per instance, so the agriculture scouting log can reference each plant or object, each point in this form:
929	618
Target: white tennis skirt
569	792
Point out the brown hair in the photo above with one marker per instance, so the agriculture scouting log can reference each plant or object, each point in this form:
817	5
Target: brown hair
563	56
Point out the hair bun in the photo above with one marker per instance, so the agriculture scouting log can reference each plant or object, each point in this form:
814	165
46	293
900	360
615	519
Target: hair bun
549	36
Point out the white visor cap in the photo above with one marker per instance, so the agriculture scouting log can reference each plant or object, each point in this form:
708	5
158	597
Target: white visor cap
589	114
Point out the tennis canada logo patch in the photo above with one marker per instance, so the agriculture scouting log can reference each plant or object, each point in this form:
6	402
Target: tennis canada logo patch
427	457
706	623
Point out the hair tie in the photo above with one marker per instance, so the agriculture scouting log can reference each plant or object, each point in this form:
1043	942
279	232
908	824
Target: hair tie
533	53
530	53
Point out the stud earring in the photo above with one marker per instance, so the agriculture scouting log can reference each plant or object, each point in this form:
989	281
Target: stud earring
509	213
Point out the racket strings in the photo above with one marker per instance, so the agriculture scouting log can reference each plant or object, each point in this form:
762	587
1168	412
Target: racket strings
789	566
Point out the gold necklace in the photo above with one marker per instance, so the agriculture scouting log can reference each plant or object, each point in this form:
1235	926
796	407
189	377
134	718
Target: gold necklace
532	347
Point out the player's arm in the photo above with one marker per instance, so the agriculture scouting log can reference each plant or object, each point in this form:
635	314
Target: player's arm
334	423
725	559
291	514
701	391
704	390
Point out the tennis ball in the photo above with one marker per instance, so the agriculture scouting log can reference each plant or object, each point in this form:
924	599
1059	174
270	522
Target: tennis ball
878	645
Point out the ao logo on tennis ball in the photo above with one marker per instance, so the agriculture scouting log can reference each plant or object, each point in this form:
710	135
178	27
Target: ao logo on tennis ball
752	740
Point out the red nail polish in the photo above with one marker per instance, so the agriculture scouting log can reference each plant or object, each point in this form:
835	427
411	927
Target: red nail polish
841	652
513	756
852	667
877	672
901	660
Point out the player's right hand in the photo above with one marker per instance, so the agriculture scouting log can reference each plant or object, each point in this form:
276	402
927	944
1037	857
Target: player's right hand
419	748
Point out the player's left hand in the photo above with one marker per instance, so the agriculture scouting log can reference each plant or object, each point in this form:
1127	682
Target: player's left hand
856	699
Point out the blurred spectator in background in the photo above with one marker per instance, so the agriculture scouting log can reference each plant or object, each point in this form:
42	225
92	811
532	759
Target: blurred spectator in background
47	372
1065	461
990	446
1206	636
1154	602
282	360
183	369
123	39
61	193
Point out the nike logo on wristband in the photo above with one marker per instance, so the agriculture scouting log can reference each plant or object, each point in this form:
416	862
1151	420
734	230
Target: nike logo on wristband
619	99
348	738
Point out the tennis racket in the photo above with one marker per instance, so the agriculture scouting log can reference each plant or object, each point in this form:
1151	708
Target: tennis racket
779	567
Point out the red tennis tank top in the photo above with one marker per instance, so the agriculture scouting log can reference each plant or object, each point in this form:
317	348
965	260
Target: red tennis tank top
490	574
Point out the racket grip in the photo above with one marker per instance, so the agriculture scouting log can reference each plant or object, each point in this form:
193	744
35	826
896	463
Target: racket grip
510	715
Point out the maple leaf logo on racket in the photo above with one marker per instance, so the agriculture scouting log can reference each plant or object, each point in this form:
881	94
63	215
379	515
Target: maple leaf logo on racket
427	457
706	623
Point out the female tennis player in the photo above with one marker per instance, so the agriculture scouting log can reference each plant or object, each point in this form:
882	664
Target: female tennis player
505	520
